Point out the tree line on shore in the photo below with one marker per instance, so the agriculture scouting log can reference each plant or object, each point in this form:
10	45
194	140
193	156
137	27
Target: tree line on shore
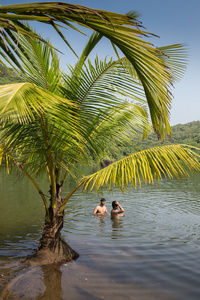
188	134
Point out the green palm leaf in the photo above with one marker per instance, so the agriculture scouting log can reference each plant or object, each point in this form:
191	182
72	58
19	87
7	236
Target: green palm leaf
99	91
175	58
103	83
122	30
116	126
147	166
19	101
39	64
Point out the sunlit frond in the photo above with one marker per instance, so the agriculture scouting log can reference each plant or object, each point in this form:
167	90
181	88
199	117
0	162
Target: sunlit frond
100	85
114	127
176	59
92	42
146	166
174	56
104	117
19	101
124	31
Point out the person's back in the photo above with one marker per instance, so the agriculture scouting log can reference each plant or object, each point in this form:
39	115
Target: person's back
117	210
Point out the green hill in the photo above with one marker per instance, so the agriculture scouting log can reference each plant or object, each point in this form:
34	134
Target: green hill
8	76
180	134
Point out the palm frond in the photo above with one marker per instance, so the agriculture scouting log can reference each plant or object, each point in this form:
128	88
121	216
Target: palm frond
175	57
27	144
92	42
19	101
99	92
39	63
102	84
114	127
122	30
147	166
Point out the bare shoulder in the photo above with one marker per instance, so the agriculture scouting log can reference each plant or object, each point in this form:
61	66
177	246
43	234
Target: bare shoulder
96	209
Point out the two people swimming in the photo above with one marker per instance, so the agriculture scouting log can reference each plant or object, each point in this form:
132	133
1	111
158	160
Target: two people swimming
117	209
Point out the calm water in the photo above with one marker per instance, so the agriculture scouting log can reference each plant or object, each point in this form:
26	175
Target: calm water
151	253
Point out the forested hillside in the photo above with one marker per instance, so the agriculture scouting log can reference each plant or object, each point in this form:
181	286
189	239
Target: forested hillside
8	76
181	134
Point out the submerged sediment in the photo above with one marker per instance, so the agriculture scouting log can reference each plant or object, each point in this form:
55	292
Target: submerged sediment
46	256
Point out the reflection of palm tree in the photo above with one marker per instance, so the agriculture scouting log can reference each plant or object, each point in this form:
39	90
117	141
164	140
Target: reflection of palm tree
52	281
117	223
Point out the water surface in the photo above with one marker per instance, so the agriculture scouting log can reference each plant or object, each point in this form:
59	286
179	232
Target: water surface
151	253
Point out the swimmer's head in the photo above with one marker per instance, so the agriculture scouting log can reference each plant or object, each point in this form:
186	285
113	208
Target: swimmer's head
103	201
114	204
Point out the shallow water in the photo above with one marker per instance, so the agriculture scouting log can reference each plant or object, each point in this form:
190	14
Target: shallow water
151	253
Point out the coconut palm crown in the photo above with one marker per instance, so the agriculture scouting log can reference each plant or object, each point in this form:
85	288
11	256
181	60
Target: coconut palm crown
124	31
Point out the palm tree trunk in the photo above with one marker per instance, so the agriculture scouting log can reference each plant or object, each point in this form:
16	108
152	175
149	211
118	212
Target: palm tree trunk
52	248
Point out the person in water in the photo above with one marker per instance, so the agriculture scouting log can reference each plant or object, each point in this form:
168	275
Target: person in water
117	210
101	209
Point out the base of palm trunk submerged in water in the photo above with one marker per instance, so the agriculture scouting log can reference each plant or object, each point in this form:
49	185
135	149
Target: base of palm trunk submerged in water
52	248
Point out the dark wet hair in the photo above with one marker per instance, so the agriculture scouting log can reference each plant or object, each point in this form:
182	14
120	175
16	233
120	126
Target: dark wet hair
103	199
114	204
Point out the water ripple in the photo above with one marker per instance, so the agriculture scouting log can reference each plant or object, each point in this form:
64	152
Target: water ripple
155	245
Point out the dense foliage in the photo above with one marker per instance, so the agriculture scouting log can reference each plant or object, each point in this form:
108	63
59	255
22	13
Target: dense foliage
188	134
157	69
180	134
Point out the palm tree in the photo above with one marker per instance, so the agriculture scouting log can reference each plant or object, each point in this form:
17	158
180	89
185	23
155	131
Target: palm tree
52	121
124	31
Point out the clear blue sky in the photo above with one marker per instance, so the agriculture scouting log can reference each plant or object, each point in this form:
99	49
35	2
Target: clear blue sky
175	21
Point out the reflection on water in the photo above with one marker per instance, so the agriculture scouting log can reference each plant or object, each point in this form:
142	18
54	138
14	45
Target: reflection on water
101	220
117	224
151	253
52	277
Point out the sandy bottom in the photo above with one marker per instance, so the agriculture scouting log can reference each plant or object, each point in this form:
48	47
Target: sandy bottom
73	280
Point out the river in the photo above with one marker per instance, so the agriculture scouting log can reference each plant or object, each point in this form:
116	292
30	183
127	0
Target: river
151	253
